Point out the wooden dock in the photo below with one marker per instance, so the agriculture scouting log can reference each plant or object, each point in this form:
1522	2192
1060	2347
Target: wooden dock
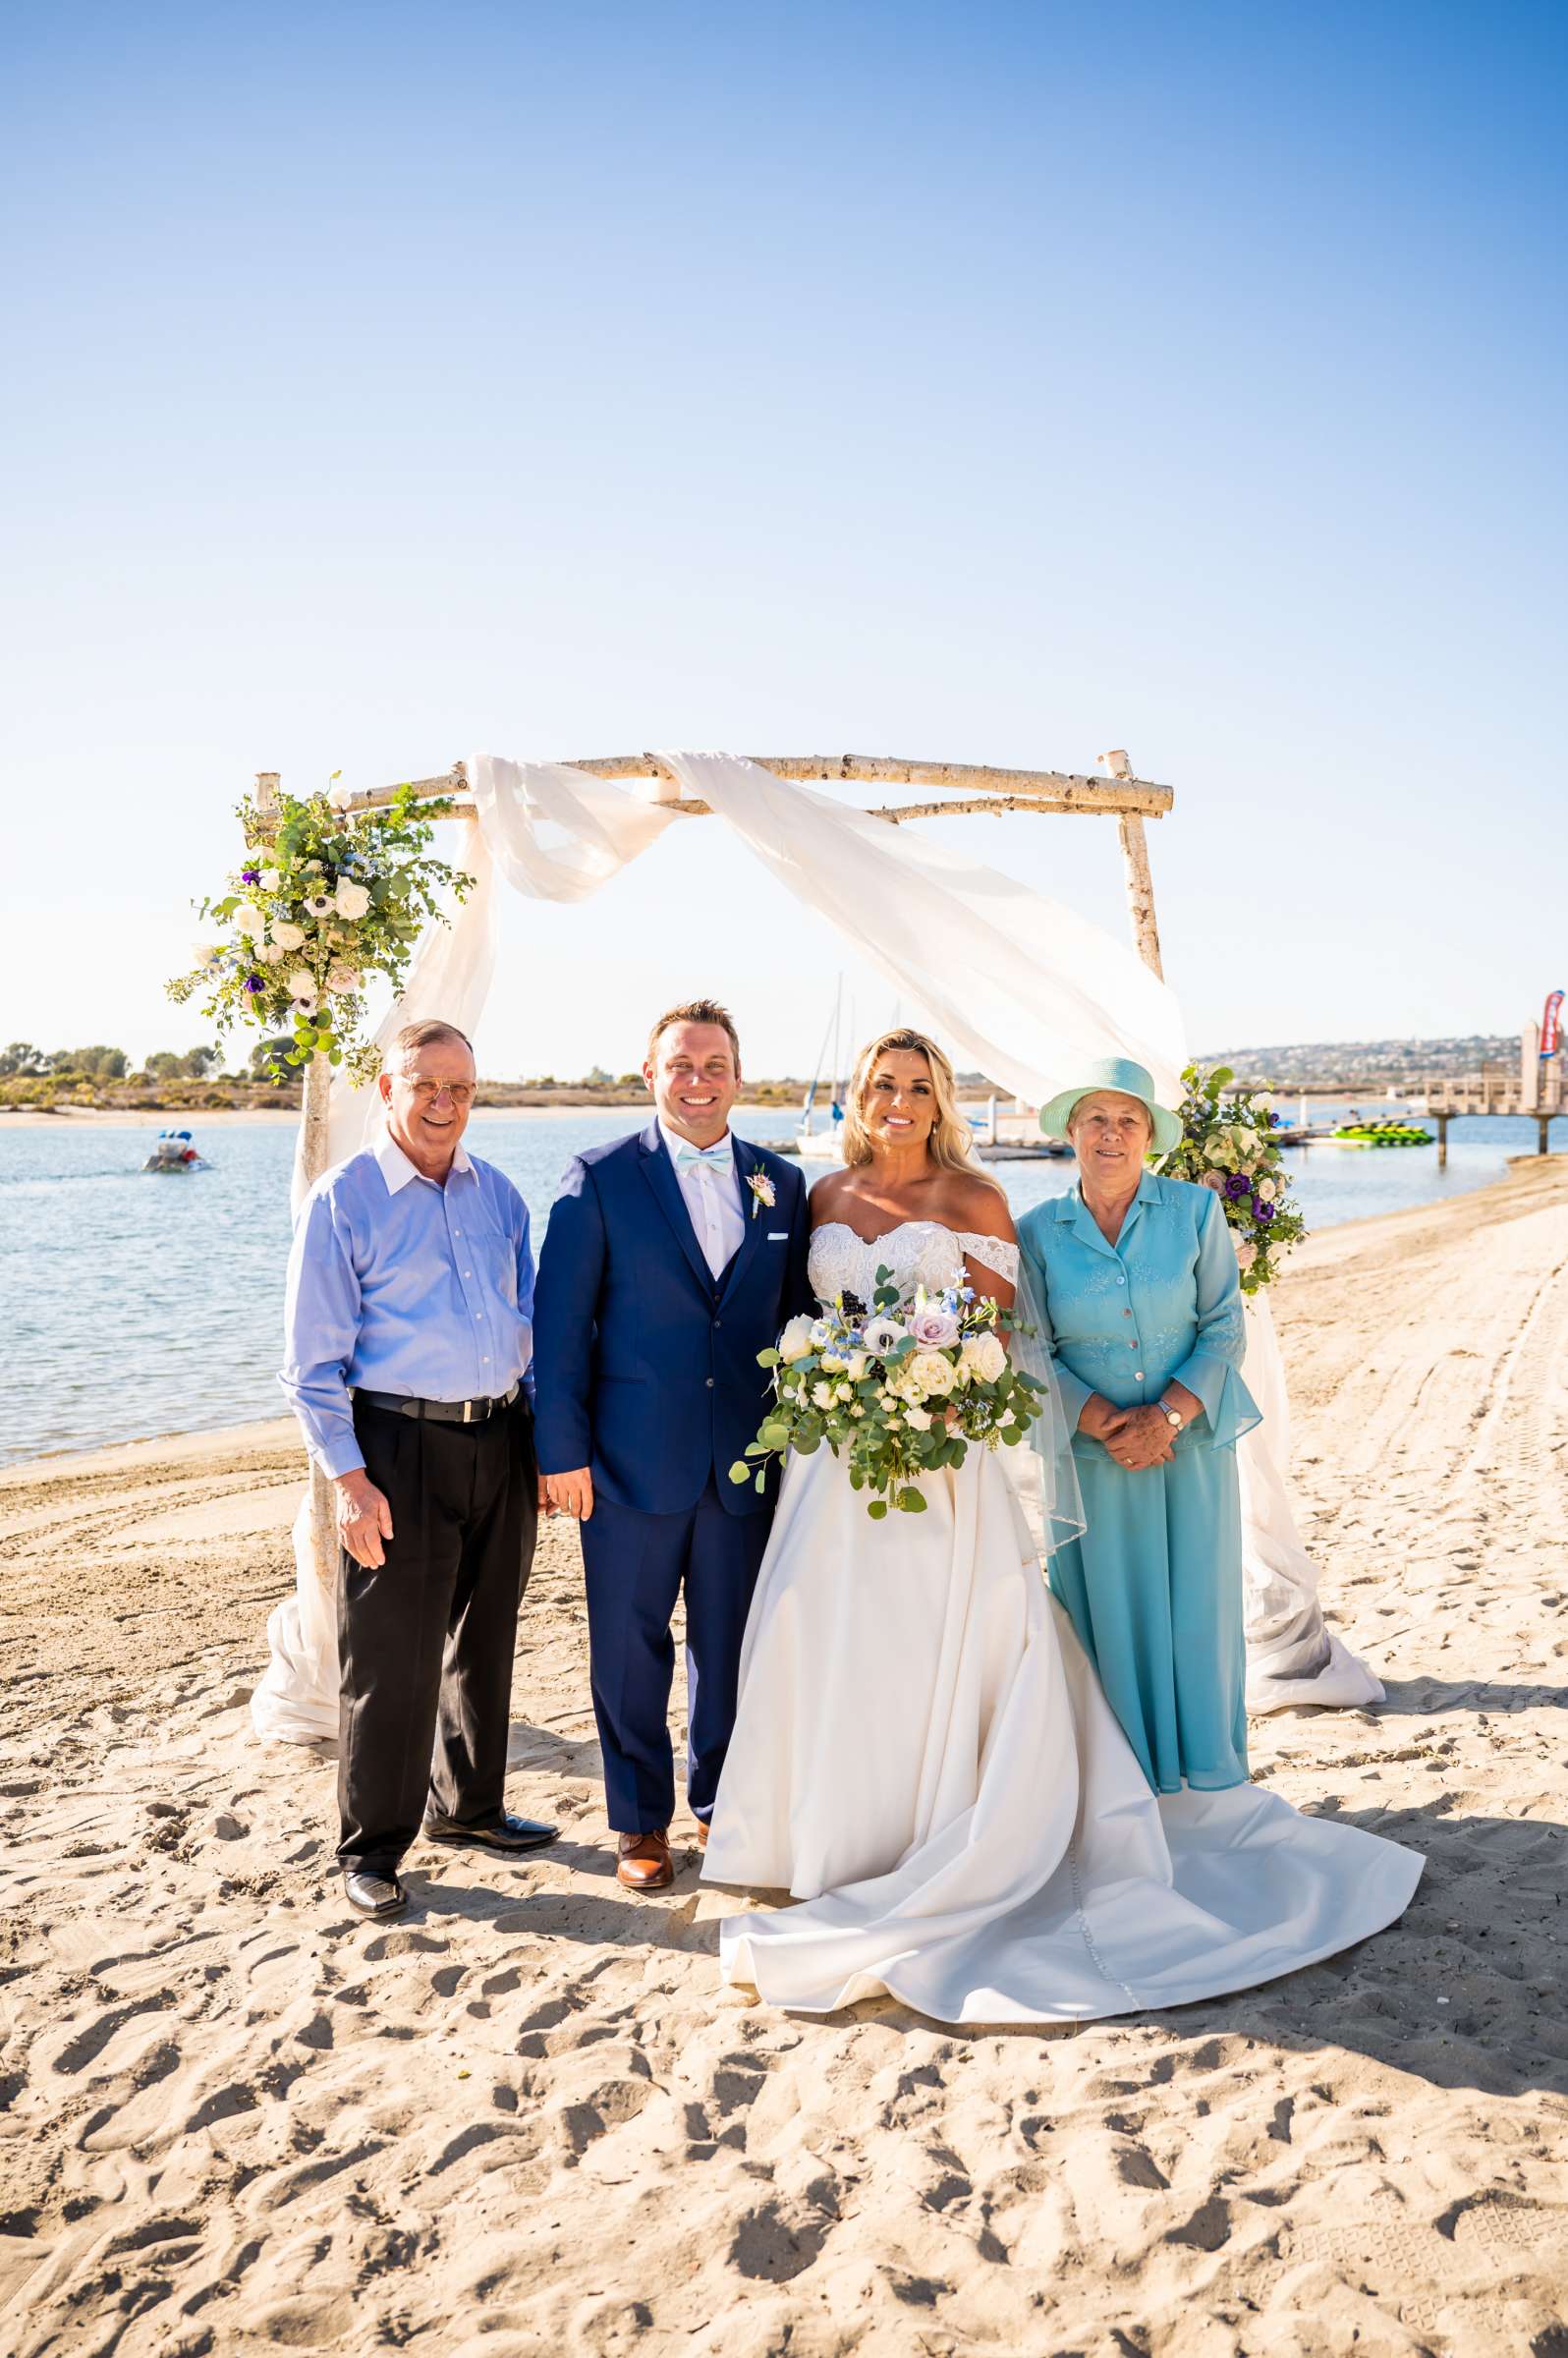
1531	1089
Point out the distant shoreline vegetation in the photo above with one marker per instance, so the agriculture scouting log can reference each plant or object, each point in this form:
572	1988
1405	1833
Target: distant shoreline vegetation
102	1078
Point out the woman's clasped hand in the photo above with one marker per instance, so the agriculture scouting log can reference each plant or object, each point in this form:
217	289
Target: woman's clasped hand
1137	1438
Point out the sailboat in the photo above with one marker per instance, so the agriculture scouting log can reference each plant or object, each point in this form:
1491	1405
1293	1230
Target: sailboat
825	1143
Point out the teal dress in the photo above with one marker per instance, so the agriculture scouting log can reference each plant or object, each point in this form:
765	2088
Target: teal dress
1154	1583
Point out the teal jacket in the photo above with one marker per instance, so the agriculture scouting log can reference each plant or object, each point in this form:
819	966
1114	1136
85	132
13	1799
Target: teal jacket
1162	1304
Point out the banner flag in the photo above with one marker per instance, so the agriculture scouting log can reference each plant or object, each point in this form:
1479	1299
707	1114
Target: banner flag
1552	1024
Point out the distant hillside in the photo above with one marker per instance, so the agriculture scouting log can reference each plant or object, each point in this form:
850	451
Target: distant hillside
1360	1063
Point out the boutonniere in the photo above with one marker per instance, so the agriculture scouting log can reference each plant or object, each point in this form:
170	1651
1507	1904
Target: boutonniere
762	1192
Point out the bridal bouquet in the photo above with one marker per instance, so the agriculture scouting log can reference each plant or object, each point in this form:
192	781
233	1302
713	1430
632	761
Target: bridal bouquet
898	1389
321	903
1229	1146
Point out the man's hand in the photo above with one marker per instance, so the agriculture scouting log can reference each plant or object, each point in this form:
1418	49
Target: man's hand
546	1505
572	1493
365	1519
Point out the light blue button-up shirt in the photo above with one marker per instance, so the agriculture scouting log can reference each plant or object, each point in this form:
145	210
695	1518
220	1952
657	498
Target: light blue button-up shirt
400	1285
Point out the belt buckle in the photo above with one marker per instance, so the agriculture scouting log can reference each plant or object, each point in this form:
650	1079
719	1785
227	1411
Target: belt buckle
468	1412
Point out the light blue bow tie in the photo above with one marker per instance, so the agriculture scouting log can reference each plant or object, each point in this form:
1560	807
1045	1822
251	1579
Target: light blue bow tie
723	1152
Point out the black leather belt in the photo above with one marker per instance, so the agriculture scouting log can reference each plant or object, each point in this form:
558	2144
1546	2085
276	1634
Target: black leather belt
440	1412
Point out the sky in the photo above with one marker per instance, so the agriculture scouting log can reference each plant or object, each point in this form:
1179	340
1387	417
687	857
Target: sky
990	383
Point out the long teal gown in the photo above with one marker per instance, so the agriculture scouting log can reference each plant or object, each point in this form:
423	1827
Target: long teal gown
1154	1583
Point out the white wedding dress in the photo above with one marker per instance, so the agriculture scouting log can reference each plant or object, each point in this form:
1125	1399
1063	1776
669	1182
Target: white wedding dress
923	1758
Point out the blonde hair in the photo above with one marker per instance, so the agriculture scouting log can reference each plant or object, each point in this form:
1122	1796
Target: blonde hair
951	1144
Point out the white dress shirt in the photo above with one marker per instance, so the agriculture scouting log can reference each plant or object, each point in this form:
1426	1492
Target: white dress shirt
713	1198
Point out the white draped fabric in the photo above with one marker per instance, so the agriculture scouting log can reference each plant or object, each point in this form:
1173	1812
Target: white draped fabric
1292	1656
1014	984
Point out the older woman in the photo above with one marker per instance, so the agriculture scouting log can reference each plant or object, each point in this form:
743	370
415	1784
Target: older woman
1135	1281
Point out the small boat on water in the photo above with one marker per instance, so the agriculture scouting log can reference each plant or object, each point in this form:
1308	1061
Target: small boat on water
173	1151
1381	1133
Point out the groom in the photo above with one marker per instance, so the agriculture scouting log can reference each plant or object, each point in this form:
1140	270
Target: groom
671	1259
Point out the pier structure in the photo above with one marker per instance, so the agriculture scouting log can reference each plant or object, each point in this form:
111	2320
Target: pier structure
1533	1089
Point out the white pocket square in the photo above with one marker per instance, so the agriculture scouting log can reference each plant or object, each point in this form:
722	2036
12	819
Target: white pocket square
779	1236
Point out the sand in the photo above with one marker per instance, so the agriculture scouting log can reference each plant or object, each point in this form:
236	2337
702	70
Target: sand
528	2120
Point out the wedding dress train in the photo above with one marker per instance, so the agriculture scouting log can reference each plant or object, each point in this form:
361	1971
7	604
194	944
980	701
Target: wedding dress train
924	1759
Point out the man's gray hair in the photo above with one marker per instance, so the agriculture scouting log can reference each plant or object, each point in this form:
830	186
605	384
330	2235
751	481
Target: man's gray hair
433	1033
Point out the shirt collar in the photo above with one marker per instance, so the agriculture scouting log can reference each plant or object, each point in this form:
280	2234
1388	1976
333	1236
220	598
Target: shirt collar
396	1168
673	1143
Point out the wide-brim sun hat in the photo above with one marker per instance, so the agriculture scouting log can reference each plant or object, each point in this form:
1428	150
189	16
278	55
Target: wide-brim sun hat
1129	1079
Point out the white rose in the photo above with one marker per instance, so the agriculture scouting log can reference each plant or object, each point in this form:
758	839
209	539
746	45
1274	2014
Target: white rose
795	1340
272	953
844	1391
342	979
1267	1189
270	880
985	1357
249	921
300	984
352	900
1245	1253
290	936
857	1410
832	1365
340	797
935	1373
821	1396
919	1418
854	1367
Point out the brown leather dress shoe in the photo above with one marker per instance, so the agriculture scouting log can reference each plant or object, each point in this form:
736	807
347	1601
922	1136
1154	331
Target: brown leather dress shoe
643	1861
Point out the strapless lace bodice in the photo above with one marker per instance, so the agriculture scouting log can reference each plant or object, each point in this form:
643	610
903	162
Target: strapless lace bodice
918	1252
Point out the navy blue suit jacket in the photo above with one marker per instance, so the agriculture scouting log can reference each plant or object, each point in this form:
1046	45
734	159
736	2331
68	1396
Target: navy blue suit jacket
645	1363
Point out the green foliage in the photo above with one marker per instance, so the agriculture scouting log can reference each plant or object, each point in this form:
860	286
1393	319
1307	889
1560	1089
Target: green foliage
321	902
893	1404
1229	1146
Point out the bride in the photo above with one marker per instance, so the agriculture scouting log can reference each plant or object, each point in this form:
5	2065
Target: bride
922	1757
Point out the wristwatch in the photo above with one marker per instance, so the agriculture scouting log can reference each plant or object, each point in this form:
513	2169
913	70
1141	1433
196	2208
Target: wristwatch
1172	1416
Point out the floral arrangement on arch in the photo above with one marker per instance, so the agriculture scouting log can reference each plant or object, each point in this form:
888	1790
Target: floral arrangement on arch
321	903
897	1389
1230	1147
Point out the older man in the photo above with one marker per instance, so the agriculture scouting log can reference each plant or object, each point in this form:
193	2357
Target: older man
408	1330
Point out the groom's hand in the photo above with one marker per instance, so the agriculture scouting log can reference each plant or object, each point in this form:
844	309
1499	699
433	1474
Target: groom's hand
572	1493
365	1519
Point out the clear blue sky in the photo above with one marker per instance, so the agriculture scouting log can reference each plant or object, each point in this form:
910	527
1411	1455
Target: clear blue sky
996	383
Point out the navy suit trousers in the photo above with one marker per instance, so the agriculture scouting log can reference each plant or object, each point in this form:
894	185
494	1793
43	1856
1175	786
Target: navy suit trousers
635	1565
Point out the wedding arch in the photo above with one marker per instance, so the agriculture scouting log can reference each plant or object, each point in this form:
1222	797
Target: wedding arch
1015	984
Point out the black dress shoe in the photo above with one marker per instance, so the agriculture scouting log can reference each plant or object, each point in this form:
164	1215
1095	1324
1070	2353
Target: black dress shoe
509	1835
372	1893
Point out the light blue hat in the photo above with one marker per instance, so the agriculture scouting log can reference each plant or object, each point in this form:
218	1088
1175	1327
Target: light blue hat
1132	1081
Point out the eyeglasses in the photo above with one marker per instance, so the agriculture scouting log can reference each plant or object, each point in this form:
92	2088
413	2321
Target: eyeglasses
460	1092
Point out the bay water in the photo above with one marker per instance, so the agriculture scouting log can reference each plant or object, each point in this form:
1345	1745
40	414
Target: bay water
135	1306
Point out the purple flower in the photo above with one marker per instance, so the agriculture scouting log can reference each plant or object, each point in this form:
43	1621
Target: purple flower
250	875
1236	1186
1263	1212
254	983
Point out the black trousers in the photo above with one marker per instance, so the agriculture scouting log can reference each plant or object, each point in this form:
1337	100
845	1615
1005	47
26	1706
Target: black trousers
425	1640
